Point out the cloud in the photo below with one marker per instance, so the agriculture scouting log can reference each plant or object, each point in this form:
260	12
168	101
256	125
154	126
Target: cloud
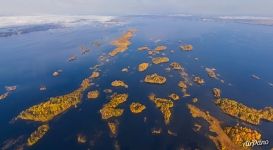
128	7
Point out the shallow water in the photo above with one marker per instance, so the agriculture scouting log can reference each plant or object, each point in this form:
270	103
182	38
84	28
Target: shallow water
236	50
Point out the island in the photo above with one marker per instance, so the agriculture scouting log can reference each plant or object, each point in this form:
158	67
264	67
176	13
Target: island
137	107
113	127
49	109
143	66
37	134
198	80
160	48
95	74
93	94
155	79
187	47
240	135
119	83
110	109
174	96
216	92
220	139
158	60
211	72
175	66
122	43
247	114
164	105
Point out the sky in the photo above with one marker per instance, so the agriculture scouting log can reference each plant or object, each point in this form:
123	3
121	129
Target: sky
136	7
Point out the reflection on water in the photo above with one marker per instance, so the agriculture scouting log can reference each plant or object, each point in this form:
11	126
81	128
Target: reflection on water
236	51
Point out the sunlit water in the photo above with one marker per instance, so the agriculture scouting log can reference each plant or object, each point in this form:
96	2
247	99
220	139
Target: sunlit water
236	50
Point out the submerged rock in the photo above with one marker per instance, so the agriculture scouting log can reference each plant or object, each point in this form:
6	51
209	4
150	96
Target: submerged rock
155	79
107	91
37	135
255	77
143	66
187	47
137	107
195	100
42	88
72	58
124	70
81	138
10	88
156	130
159	60
3	96
55	74
143	48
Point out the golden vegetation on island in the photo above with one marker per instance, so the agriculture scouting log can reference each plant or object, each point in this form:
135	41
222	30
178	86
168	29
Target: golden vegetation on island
211	72
143	66
143	48
113	127
182	85
95	74
175	66
216	92
110	109
81	138
122	43
187	47
174	96
158	60
137	107
240	111
46	111
198	80
119	83
160	48
93	94
239	135
164	105
37	134
155	79
220	139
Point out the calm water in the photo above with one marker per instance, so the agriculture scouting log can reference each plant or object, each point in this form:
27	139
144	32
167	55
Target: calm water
236	50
